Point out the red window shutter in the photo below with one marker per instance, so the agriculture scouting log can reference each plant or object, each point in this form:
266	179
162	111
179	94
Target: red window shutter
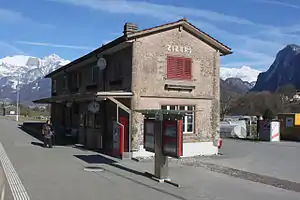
188	68
179	68
171	67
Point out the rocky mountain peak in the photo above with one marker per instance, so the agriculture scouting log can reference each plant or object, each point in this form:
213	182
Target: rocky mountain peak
284	70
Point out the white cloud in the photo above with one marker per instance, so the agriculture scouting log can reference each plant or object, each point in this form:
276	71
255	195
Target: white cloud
8	48
55	45
11	16
279	3
260	46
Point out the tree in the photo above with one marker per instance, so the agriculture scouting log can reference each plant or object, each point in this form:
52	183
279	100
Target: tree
268	114
225	105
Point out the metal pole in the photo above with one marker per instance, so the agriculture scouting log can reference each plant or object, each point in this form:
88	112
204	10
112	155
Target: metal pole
17	117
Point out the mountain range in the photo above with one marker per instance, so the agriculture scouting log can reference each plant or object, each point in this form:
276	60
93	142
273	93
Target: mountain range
27	72
284	70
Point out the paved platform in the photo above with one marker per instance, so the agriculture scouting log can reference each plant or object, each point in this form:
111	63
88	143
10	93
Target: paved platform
59	173
276	159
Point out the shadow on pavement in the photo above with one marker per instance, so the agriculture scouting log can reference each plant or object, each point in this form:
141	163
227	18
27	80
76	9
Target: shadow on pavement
34	129
98	159
40	144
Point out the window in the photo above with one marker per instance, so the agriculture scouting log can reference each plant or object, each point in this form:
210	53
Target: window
79	77
179	68
90	121
95	74
65	81
54	86
189	118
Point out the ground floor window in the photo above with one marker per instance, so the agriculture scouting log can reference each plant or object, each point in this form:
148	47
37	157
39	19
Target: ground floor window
189	119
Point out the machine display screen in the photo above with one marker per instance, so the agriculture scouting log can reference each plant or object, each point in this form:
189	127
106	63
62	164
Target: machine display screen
172	138
149	135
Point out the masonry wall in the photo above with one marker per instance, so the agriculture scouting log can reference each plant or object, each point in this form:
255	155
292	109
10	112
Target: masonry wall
149	79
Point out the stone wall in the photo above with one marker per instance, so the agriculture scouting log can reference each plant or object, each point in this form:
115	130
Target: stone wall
149	79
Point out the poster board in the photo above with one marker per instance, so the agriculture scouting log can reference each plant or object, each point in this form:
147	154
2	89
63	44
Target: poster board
289	122
149	142
297	119
116	138
172	138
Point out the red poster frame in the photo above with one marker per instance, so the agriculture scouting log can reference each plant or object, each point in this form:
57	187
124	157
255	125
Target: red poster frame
178	138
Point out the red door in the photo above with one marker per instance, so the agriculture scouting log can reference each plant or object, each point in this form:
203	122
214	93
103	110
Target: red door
124	122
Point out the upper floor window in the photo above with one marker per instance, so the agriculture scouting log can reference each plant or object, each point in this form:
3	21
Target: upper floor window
79	79
95	74
54	86
179	68
65	81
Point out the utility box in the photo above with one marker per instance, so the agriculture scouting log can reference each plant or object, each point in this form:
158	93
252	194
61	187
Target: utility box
269	131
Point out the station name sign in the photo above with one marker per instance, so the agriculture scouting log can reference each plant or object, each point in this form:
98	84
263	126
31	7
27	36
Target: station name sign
179	49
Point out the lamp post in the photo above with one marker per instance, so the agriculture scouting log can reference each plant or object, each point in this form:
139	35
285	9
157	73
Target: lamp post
18	97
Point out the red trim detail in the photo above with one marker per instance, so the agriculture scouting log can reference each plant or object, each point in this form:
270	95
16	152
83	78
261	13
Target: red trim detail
179	129
121	141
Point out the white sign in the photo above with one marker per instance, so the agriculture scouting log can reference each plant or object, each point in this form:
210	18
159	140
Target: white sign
289	122
275	131
116	135
181	49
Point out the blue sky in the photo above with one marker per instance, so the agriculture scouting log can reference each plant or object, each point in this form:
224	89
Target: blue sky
255	29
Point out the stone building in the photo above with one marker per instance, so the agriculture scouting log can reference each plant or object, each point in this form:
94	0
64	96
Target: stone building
173	66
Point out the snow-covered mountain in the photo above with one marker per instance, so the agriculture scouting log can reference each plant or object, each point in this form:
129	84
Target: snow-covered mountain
27	68
245	73
28	71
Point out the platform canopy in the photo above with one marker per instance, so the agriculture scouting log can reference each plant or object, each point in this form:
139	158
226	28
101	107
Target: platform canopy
83	97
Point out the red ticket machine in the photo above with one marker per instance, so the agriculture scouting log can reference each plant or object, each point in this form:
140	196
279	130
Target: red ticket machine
163	136
172	138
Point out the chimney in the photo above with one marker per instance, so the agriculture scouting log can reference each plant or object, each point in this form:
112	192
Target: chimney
130	28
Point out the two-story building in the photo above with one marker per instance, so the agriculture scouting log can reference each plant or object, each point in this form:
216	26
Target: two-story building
174	66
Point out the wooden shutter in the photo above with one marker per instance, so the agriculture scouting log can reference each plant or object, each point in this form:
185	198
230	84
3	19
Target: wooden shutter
188	68
179	68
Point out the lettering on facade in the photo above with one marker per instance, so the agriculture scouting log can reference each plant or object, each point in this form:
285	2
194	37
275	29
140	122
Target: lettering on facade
181	49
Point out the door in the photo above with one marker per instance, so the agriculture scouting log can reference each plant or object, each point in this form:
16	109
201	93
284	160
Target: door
124	122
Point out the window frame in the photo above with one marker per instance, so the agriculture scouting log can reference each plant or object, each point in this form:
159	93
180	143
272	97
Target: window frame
95	74
185	120
178	72
54	85
65	81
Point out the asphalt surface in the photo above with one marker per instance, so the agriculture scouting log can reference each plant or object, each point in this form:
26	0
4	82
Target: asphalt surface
276	159
59	173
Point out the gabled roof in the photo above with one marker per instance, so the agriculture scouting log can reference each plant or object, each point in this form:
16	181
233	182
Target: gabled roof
224	50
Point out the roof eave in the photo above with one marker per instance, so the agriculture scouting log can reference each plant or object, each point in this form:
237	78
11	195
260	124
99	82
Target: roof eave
111	44
225	50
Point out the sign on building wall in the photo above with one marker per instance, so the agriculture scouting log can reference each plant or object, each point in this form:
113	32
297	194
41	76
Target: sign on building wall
179	49
297	119
289	122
